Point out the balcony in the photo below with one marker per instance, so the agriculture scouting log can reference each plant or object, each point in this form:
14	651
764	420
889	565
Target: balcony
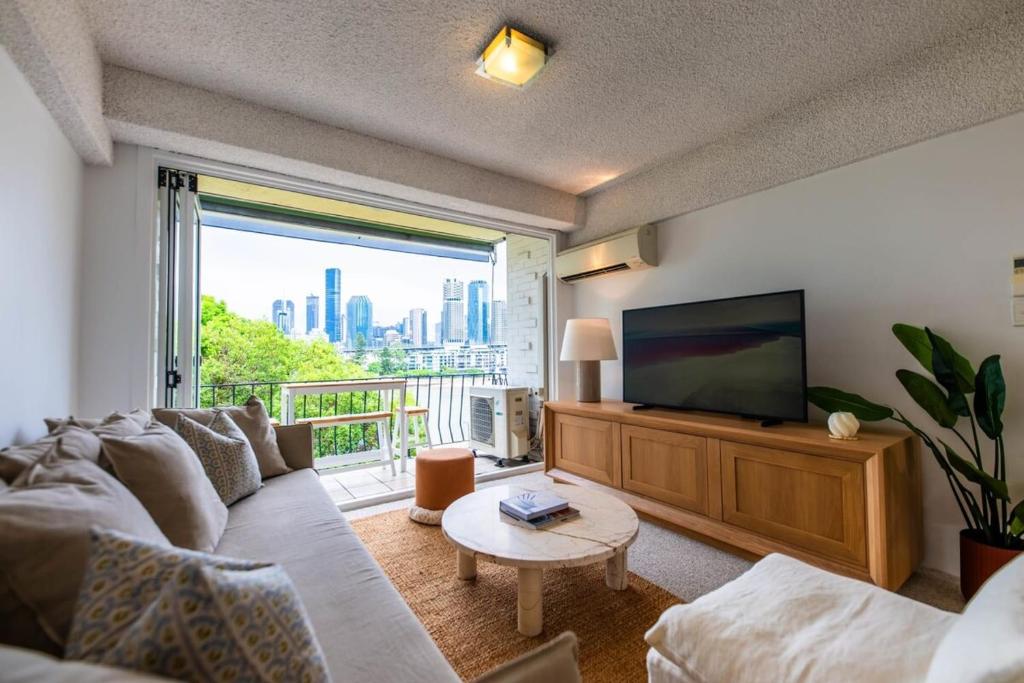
349	457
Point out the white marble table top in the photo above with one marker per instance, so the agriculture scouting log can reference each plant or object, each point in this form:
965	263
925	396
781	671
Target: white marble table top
606	526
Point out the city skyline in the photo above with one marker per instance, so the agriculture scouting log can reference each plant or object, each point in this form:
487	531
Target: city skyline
482	324
249	271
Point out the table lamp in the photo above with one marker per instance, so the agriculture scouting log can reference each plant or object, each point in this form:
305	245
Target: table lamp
588	341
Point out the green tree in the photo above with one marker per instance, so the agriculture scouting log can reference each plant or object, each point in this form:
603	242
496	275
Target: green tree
235	350
390	361
360	355
239	350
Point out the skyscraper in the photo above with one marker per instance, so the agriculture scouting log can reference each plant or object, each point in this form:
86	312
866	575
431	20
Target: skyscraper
417	331
360	320
332	304
453	316
498	313
283	315
312	312
478	318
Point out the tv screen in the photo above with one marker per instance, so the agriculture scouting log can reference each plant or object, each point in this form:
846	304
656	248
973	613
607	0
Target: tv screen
744	356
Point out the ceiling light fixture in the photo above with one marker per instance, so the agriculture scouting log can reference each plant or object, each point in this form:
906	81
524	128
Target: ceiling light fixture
513	58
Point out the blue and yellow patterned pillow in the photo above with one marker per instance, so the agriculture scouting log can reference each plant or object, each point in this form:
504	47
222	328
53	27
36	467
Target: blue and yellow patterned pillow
191	616
226	454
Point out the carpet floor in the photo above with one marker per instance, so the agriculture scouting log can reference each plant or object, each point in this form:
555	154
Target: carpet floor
474	622
688	568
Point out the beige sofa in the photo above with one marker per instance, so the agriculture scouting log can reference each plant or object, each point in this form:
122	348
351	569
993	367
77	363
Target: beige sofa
366	630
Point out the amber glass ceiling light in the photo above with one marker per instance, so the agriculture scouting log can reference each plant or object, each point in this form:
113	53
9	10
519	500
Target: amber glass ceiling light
512	58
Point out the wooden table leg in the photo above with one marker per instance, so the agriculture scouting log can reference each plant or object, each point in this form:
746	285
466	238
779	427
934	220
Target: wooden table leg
467	566
531	609
615	576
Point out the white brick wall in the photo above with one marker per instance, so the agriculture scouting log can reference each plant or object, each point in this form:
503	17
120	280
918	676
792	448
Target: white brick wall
527	263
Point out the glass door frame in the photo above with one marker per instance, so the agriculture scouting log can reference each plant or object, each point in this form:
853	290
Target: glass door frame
178	289
151	160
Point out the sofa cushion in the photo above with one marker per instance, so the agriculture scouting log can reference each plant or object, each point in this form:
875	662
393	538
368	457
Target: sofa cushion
45	518
160	469
986	644
122	424
556	661
190	615
353	606
139	416
254	422
75	442
225	453
55	423
26	666
784	620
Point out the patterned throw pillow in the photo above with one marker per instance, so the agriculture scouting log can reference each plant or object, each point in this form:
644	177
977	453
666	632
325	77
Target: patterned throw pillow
226	454
191	616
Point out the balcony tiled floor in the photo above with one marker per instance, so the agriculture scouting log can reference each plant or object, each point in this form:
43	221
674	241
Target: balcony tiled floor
358	488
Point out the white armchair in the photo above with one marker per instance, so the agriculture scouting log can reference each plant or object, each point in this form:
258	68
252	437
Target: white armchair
785	621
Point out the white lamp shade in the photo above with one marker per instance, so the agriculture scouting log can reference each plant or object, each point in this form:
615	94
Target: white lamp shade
588	339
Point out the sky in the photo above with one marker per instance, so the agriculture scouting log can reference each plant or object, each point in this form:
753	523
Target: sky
249	271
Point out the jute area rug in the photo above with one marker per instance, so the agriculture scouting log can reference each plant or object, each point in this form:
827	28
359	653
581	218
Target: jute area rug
474	622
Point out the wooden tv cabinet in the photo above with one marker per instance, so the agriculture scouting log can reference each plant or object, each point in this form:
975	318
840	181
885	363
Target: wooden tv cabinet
853	507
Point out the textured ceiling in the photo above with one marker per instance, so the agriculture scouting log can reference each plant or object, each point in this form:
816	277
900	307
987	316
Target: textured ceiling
631	84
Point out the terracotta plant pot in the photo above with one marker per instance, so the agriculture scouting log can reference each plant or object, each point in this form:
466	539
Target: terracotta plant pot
978	561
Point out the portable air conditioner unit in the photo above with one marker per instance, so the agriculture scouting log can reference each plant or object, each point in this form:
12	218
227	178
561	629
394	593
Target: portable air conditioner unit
499	421
628	250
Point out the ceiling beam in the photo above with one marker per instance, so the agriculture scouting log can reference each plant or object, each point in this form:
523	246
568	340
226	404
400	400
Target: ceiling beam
975	78
146	110
51	44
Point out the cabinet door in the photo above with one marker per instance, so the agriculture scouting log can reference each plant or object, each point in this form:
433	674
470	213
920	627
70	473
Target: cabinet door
666	466
589	448
810	501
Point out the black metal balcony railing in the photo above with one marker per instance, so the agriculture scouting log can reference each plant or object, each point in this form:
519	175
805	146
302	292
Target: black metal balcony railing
446	397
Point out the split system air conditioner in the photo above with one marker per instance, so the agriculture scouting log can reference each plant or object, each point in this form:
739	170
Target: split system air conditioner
628	250
499	421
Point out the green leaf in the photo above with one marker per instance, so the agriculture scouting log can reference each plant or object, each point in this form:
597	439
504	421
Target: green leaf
1017	519
990	397
928	395
835	401
915	340
976	475
953	371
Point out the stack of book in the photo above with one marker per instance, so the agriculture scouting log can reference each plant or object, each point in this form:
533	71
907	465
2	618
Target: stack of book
537	509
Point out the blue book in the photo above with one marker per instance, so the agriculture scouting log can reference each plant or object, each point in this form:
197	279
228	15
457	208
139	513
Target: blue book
544	521
533	504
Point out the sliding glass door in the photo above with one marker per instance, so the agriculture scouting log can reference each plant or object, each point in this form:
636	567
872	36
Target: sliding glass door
178	334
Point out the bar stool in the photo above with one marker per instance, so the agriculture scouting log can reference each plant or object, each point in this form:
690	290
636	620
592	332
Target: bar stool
416	418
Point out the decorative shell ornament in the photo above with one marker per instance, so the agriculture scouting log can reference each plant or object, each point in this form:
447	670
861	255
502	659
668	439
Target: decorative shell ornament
843	426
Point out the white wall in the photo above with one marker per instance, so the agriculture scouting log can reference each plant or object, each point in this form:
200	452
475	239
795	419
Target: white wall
40	226
117	285
923	235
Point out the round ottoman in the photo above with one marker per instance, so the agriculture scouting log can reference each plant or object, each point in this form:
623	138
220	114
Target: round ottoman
442	476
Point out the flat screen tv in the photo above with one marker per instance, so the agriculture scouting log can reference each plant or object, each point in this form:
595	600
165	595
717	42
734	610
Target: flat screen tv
744	356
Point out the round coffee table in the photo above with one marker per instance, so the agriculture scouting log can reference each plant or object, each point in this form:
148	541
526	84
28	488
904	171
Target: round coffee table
603	531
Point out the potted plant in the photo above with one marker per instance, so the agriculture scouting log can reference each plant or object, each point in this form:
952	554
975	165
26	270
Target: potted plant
994	525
